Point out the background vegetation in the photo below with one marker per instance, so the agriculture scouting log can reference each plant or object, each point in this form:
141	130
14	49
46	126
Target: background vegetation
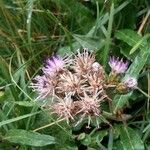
31	30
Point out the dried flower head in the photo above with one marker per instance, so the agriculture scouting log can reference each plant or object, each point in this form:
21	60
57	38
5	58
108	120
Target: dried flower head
70	83
54	65
83	62
43	86
63	108
95	82
131	83
118	66
90	105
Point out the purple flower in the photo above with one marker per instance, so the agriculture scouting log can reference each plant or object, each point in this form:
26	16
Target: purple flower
54	65
118	66
131	82
43	86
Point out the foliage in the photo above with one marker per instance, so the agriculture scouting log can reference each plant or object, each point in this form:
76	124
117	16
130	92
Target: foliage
32	30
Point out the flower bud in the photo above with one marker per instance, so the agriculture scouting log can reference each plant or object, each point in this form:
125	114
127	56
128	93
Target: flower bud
131	82
96	66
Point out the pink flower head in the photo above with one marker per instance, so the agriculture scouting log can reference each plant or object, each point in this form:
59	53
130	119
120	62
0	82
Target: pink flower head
69	82
90	105
118	66
63	108
131	82
54	65
83	62
43	86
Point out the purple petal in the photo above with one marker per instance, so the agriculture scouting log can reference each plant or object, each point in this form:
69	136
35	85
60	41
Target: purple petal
118	66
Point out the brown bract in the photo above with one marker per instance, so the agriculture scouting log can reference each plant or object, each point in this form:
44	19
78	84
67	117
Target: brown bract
63	107
83	62
71	83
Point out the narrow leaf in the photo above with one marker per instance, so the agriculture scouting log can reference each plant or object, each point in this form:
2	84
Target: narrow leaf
17	118
26	103
89	42
130	37
28	138
139	43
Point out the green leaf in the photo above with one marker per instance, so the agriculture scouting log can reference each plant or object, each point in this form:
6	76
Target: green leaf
146	128
125	50
87	140
119	145
120	100
69	49
130	139
99	135
147	146
139	43
82	41
146	132
4	73
5	146
89	42
94	138
130	37
1	94
17	118
28	138
81	136
26	103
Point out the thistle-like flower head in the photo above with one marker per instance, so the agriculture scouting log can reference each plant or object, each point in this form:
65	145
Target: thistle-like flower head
43	86
131	83
90	105
118	66
63	108
95	82
70	83
83	62
54	65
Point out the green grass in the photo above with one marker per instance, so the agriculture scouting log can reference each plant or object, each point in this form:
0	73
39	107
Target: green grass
32	30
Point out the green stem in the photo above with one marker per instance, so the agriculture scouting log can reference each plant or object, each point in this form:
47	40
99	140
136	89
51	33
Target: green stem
144	93
108	38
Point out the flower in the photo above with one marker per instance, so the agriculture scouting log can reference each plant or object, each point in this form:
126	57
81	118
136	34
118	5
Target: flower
43	86
54	65
131	83
118	66
83	62
70	83
90	105
96	66
63	108
96	77
95	81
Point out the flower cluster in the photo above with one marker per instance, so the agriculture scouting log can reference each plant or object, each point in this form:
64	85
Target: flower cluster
78	85
119	67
